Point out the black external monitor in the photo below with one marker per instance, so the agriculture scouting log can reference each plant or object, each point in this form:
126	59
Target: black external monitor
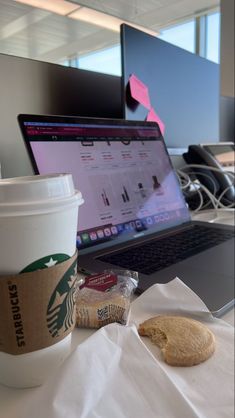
183	88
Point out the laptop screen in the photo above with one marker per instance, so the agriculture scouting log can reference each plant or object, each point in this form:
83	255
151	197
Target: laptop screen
122	169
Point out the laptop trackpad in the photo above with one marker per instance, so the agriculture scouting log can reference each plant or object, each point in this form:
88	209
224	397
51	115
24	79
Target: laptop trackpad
210	279
210	260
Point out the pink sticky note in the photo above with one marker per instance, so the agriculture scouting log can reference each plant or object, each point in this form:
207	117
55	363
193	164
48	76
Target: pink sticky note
139	91
153	117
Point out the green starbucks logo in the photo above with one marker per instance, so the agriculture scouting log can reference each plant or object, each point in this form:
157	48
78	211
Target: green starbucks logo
44	262
60	310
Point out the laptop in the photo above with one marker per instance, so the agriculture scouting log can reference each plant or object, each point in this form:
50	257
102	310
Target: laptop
134	216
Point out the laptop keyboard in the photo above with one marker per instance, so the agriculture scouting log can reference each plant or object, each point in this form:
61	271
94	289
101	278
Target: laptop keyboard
163	252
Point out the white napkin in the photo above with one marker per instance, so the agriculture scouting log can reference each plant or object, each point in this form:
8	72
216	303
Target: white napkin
114	375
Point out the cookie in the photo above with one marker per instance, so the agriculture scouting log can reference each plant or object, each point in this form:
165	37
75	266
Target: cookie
183	341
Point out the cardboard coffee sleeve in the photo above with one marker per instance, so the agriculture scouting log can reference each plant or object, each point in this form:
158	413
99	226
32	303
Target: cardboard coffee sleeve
37	308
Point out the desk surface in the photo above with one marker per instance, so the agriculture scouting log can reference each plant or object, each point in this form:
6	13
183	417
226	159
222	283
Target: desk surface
223	216
19	397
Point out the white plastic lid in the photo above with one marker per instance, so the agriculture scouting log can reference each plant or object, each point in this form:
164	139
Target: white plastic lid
37	193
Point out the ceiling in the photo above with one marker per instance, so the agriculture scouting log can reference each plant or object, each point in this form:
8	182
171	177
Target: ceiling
39	34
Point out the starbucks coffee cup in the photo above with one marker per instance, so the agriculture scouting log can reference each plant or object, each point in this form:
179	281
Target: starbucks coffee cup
38	227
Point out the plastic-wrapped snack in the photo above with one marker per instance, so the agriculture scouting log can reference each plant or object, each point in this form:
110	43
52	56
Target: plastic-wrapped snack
105	298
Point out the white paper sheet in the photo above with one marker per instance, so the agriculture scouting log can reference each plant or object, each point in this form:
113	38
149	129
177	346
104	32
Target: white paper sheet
114	375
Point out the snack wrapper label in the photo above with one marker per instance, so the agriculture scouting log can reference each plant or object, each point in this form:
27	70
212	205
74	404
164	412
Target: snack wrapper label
101	282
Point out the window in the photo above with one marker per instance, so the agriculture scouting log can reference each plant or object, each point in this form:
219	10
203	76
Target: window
213	37
107	61
182	35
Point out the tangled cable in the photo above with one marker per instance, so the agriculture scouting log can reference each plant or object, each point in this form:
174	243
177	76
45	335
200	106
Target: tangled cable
189	183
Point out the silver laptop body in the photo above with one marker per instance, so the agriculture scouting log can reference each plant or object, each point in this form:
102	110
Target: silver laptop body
133	201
